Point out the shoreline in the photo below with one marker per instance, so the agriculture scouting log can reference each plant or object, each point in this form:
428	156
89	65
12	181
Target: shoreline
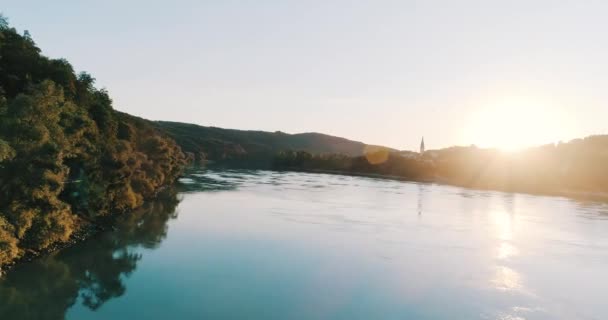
570	194
88	229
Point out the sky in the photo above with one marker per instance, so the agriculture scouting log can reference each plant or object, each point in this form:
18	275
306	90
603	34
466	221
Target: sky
491	73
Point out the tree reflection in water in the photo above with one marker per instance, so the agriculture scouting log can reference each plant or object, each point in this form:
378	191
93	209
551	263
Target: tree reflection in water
91	272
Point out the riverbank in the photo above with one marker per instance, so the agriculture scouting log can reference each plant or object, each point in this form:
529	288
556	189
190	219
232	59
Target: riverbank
357	174
88	228
84	231
571	194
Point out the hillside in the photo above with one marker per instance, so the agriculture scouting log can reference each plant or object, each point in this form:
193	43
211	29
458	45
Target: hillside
213	143
67	158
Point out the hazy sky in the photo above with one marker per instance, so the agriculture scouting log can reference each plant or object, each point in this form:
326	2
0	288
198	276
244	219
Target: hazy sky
383	72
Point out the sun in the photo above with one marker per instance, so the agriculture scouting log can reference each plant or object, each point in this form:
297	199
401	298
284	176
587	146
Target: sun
514	125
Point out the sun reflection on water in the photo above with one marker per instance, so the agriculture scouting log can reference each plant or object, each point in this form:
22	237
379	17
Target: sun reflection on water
503	224
507	279
506	250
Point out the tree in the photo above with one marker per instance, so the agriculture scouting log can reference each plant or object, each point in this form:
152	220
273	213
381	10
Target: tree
6	152
8	242
27	36
3	22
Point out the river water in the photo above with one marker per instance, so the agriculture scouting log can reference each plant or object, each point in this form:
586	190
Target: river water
245	244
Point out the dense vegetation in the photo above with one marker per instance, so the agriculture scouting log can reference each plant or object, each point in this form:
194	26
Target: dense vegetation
256	147
66	157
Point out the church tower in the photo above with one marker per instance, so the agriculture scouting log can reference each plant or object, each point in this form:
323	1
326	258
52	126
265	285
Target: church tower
422	146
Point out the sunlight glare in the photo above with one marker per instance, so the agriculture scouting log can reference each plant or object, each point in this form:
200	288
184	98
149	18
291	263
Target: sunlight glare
514	125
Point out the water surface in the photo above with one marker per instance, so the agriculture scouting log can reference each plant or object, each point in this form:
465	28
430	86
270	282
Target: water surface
280	245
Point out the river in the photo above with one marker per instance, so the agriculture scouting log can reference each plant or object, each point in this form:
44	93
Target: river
246	244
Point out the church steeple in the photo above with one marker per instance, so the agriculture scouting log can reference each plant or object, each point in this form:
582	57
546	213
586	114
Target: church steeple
422	146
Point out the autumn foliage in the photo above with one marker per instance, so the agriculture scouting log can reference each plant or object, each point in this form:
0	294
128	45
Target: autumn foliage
65	155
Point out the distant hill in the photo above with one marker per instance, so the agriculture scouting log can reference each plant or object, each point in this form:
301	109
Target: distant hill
214	143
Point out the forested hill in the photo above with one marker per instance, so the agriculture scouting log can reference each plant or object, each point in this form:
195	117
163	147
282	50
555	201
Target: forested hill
66	157
224	144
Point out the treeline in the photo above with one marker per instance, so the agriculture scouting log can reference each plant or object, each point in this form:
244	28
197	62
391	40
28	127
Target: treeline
575	168
578	166
376	162
66	157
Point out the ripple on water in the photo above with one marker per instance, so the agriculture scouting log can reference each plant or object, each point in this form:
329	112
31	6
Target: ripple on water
279	244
